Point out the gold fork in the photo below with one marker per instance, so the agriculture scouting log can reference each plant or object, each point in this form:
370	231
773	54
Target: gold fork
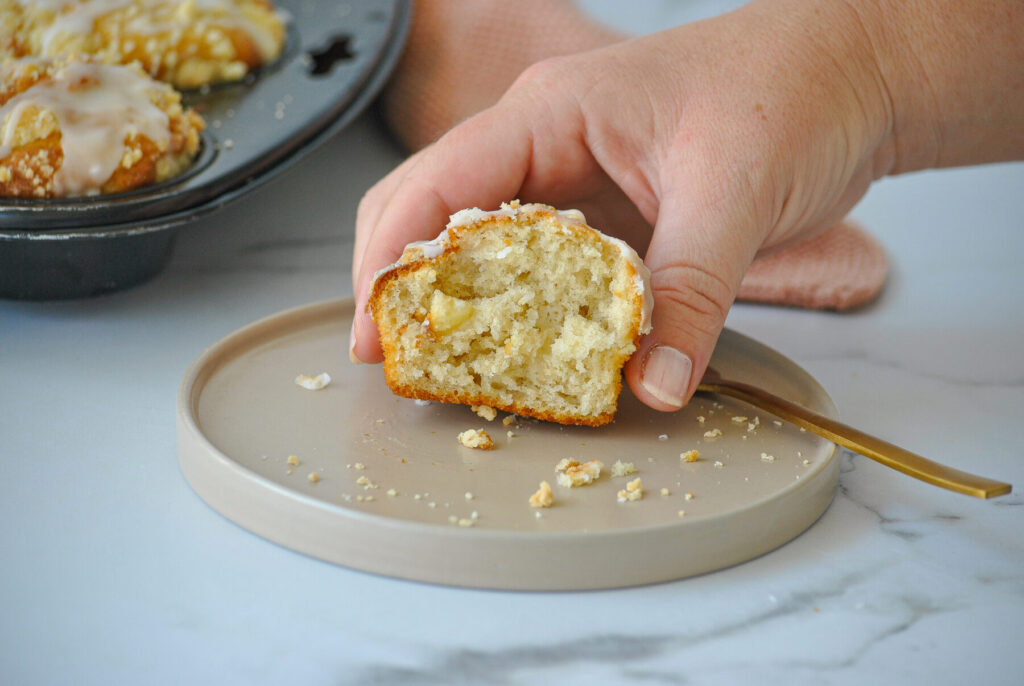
869	446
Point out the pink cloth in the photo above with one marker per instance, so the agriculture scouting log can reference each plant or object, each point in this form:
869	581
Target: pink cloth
461	56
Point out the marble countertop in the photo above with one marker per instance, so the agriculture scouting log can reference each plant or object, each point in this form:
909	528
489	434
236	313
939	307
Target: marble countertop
113	571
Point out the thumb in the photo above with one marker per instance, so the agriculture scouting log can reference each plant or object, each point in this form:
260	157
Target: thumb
697	261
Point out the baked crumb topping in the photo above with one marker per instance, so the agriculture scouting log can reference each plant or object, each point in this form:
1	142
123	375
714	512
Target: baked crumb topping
313	383
690	456
621	468
543	497
572	473
485	412
476	438
634	490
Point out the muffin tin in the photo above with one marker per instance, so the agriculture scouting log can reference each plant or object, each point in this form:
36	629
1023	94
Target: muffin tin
337	58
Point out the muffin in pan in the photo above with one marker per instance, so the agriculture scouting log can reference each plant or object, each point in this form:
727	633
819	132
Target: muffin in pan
74	127
188	43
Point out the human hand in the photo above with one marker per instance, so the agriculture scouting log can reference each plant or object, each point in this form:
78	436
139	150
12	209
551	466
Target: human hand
728	137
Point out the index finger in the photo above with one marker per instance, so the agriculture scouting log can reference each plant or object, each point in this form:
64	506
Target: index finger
481	163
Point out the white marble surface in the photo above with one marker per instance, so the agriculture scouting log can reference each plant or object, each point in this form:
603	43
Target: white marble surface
114	572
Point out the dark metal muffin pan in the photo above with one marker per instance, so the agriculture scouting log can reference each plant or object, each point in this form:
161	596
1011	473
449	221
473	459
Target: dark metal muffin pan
337	58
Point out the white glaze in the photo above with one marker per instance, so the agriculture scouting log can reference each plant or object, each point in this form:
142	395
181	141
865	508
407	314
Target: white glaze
96	107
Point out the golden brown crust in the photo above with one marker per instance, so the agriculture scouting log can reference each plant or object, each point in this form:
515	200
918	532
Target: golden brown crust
467	399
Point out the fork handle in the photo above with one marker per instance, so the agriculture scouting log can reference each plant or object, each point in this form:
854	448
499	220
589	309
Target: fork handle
869	446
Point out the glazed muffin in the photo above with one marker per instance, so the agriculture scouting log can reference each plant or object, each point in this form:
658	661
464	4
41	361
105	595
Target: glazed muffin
72	127
525	309
188	43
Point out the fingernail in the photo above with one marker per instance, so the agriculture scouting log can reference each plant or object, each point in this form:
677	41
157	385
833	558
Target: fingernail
666	374
352	345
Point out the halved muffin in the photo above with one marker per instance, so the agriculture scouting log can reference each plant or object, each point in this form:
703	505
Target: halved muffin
525	309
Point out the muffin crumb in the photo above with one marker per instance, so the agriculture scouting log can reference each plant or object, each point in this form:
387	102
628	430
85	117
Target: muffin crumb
476	438
313	383
543	497
572	473
634	491
485	412
621	468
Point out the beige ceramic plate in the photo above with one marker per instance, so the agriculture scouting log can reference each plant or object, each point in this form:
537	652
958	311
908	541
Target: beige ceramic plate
241	415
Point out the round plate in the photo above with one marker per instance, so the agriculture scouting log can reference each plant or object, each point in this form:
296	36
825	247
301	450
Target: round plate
398	495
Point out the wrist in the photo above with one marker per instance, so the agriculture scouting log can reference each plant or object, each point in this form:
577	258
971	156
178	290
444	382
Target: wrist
952	74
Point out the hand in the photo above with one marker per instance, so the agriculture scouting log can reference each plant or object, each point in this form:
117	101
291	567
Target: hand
727	137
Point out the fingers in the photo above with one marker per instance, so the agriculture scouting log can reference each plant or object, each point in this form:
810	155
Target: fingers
371	205
481	163
697	259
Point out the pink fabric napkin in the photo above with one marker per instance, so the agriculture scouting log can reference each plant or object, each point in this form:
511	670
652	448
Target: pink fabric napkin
461	56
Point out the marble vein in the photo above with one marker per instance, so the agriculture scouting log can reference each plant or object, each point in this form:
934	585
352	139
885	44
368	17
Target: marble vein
462	666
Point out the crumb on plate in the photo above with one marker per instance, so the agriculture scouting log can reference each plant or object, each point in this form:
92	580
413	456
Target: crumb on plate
476	438
543	497
485	412
634	490
621	468
313	383
572	473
